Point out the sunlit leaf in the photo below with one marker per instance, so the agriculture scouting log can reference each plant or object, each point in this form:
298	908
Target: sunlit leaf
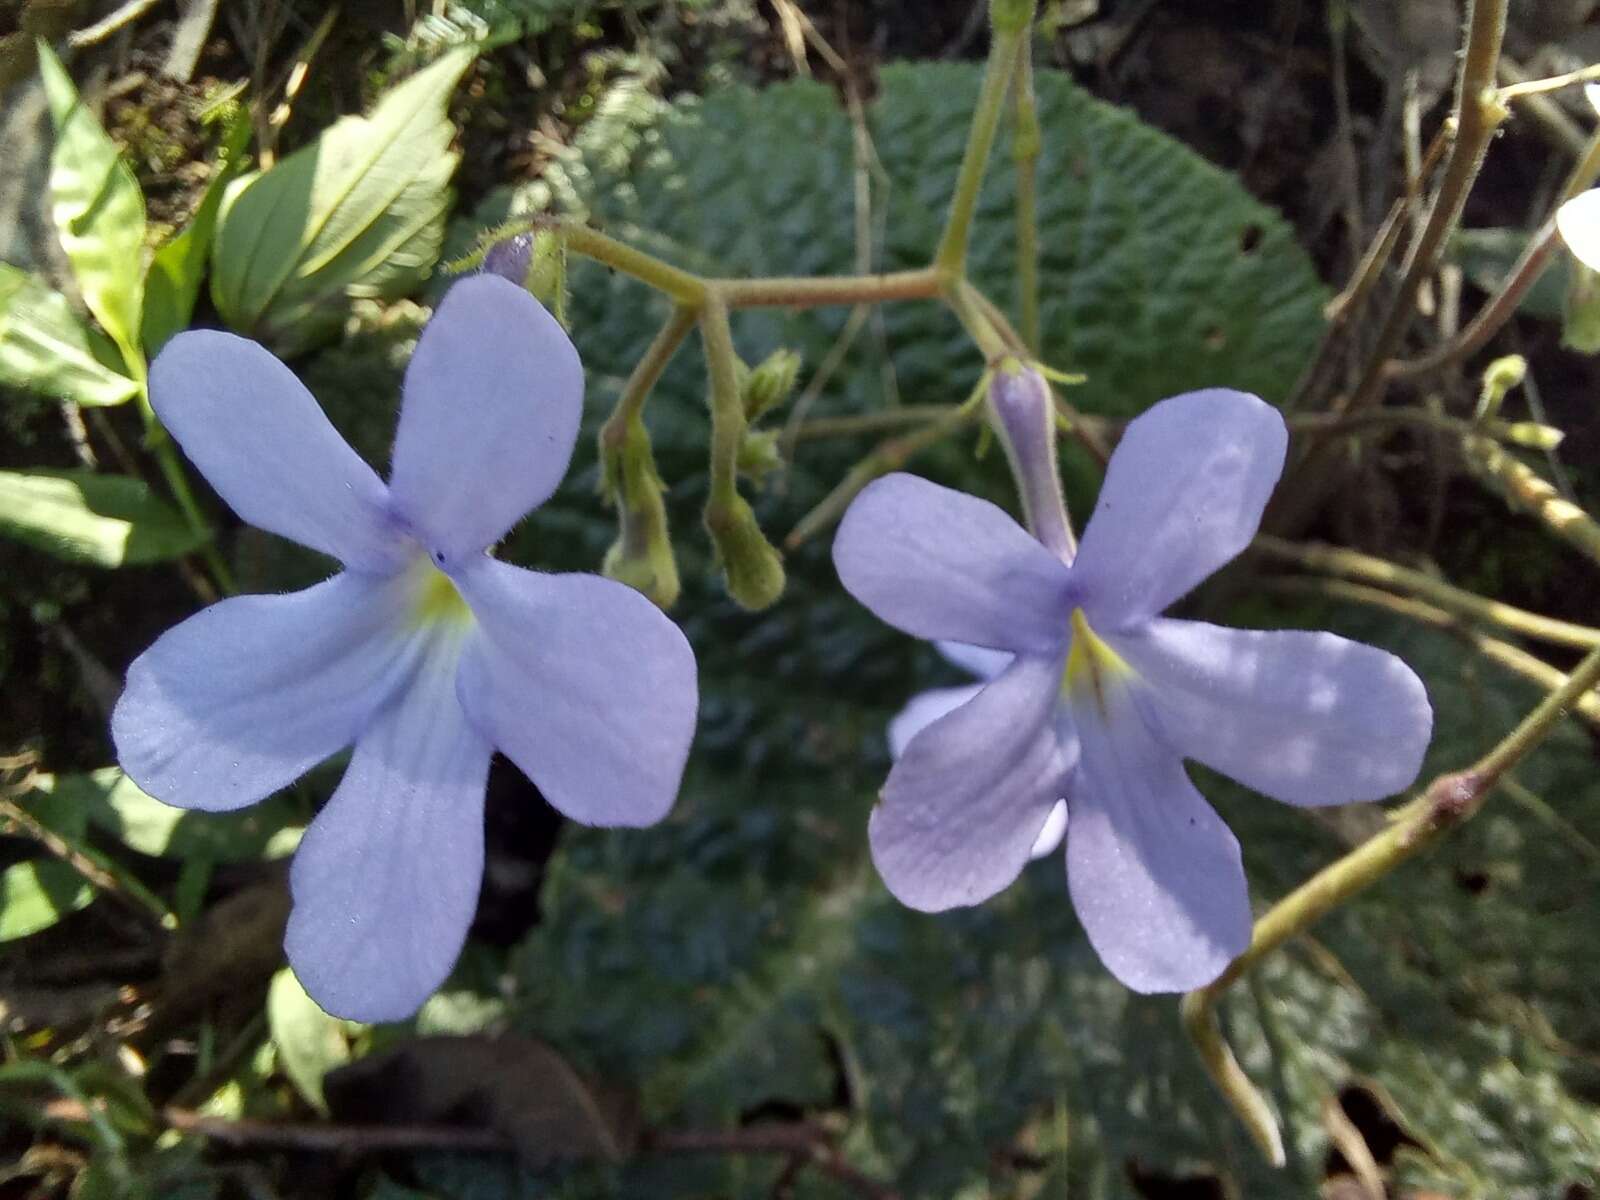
359	212
98	208
310	1043
106	520
35	895
116	804
45	347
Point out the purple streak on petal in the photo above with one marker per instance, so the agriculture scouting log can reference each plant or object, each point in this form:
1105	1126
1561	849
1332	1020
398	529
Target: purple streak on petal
1154	873
978	661
1055	828
923	710
492	401
1183	494
1025	416
386	879
262	442
584	684
1308	718
246	696
938	563
966	801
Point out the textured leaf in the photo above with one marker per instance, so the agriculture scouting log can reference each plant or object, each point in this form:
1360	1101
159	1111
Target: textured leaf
357	213
173	282
107	520
45	347
98	208
310	1043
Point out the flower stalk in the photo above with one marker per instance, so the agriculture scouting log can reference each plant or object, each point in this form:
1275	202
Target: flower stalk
1446	802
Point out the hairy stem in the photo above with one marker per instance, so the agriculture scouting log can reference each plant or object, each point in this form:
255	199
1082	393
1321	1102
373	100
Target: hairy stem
1004	49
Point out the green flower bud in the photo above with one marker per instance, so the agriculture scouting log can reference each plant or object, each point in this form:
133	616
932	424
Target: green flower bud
770	384
1499	377
641	557
758	454
752	569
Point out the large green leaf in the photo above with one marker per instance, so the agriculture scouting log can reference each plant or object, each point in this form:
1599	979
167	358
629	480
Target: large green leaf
46	348
107	520
98	208
358	212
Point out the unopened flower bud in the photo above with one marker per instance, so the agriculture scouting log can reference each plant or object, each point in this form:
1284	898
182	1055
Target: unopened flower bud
1500	377
1025	419
535	261
641	557
758	454
752	569
770	383
1533	435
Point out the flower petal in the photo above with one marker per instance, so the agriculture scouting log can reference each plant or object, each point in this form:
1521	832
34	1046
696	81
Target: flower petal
1055	828
1154	873
585	685
978	661
970	795
1579	222
923	710
1183	494
493	395
1308	718
265	445
246	696
386	879
939	563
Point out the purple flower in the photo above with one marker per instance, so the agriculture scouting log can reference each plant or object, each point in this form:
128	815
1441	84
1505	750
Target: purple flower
925	708
1104	698
425	653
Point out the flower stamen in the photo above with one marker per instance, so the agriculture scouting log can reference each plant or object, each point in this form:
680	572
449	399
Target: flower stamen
1092	666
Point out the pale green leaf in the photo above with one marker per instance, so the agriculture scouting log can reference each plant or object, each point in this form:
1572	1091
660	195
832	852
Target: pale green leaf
1580	327
310	1043
357	213
46	348
116	804
173	281
106	520
35	895
97	206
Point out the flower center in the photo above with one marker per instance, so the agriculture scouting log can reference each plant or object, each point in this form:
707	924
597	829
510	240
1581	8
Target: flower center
1093	667
437	600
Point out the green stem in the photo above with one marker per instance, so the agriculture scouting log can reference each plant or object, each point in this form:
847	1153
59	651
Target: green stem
1336	560
1004	48
1448	801
727	408
972	309
1026	142
646	373
683	286
159	443
801	292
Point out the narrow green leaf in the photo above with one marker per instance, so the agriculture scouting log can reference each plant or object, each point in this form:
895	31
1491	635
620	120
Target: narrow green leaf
359	212
97	206
35	895
310	1043
45	347
173	281
107	520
